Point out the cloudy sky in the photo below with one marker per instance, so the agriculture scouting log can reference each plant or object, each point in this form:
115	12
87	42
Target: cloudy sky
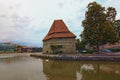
28	21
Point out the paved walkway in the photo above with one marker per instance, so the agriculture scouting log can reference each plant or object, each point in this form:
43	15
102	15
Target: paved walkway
93	57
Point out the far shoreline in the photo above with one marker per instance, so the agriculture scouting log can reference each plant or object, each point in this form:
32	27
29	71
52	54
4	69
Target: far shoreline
70	57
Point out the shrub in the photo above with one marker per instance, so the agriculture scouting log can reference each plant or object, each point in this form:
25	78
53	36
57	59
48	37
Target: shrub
115	49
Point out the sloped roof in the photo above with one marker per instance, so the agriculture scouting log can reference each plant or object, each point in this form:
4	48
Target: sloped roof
59	30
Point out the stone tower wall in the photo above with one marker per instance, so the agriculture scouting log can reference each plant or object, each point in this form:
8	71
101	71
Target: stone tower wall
68	45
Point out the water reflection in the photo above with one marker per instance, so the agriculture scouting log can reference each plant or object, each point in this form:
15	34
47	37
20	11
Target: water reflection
21	68
57	70
8	59
78	70
28	68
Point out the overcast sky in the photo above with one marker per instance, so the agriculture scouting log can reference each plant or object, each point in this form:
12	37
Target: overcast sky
28	21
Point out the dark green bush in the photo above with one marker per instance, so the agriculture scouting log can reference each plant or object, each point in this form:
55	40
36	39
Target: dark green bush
115	49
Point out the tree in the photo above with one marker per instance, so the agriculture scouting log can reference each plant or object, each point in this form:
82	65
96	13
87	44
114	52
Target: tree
97	29
79	44
117	26
111	14
56	48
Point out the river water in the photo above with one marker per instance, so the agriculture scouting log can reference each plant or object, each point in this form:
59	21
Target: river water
22	67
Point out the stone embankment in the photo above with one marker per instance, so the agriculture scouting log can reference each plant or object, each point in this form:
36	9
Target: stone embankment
80	57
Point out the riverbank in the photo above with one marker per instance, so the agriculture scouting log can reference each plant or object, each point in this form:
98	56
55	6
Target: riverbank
80	57
16	54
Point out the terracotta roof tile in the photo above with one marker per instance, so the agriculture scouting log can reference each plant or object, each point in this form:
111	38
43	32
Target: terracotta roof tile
59	30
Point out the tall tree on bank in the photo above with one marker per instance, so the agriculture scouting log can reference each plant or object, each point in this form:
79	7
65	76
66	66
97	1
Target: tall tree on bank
97	29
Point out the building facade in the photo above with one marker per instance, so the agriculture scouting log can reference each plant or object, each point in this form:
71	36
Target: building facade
6	47
59	36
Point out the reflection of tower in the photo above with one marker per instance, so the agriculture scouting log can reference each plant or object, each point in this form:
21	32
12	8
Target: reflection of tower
67	70
57	70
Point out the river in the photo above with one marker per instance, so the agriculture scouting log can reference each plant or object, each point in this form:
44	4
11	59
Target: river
24	67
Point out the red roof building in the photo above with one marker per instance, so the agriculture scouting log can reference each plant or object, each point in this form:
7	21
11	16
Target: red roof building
59	35
59	30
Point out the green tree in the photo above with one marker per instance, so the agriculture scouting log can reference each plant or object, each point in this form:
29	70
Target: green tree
56	48
117	26
80	44
97	29
111	14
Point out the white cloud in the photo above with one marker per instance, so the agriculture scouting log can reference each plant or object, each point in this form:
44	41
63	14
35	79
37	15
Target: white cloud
28	21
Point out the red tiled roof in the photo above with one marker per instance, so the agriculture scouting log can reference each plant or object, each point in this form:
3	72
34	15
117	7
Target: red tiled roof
59	30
